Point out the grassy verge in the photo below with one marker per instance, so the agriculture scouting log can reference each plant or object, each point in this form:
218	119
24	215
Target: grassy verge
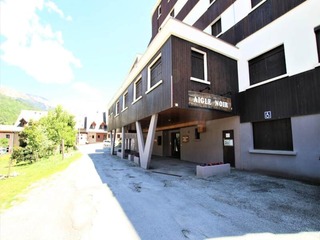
27	174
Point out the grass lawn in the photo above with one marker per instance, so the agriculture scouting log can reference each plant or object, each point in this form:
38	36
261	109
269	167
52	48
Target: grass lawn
27	174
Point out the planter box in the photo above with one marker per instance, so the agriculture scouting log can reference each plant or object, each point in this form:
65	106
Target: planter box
208	171
136	160
119	154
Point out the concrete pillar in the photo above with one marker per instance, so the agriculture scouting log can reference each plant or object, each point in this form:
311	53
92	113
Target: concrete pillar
123	143
113	140
145	150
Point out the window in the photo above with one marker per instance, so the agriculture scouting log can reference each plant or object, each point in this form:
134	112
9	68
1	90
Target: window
172	13
117	108
216	28
267	66
273	135
125	101
155	73
198	65
255	3
93	125
317	32
137	90
159	11
8	136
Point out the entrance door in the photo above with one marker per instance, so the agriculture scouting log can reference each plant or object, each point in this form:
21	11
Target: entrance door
175	144
228	147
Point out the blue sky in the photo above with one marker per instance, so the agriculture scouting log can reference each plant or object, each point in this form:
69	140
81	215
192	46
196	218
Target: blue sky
74	53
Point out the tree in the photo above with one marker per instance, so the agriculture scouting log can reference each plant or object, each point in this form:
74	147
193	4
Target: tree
4	142
60	125
39	139
34	143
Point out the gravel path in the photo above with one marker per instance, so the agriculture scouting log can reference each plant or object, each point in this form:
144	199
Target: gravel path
103	197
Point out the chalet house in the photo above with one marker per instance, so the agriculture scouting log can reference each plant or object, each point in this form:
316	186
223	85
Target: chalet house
92	128
233	81
11	132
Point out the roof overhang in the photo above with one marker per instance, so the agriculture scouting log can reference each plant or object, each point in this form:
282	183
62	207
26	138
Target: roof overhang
174	27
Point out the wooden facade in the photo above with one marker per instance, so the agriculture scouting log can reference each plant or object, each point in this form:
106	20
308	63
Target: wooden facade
261	57
291	96
172	93
266	13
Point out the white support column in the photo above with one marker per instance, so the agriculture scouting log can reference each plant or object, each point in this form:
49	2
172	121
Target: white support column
145	150
123	143
113	138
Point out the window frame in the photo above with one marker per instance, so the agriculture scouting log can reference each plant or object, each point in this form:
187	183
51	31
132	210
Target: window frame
205	67
159	11
125	101
135	98
266	134
214	23
172	13
117	108
263	77
317	35
149	87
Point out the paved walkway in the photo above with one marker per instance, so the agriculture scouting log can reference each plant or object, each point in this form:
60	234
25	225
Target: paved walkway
104	197
71	205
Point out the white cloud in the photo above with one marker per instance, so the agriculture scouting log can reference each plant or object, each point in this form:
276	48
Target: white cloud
53	7
35	48
84	100
85	89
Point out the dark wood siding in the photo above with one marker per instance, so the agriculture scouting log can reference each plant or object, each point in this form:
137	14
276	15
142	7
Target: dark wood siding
268	65
257	19
186	9
273	135
166	8
291	96
255	3
216	28
212	13
222	73
155	101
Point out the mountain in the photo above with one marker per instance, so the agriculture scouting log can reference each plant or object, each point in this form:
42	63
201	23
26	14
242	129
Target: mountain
36	101
12	102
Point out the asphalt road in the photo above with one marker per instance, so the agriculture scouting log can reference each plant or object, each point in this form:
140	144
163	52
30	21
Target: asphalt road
104	197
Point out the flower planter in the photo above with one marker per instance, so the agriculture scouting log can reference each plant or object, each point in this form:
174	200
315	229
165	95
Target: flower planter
119	154
208	171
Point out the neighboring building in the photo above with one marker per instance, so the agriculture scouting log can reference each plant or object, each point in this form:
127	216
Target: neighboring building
26	116
12	134
92	129
236	81
12	131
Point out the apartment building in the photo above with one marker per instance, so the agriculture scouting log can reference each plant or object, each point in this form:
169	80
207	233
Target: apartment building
233	81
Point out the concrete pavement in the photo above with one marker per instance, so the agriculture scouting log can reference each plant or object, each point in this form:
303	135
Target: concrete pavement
104	197
74	204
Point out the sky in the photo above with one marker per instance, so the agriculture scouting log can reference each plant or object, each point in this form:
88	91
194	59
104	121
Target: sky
73	53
